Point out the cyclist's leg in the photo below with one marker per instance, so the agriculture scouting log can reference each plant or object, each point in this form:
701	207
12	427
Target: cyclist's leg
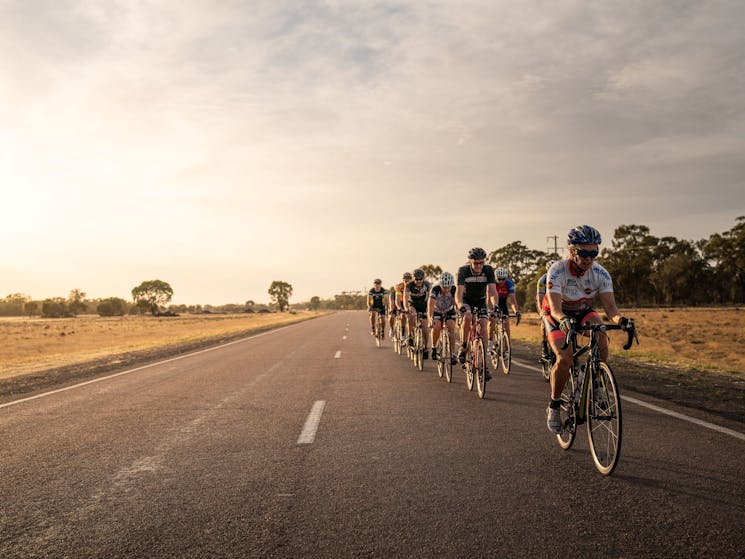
465	330
425	333
373	315
484	335
451	333
436	329
560	371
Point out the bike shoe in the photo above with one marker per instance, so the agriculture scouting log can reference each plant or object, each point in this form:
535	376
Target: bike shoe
434	354
462	355
425	354
553	420
453	360
487	376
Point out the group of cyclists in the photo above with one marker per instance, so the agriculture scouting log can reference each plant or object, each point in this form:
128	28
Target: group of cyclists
564	299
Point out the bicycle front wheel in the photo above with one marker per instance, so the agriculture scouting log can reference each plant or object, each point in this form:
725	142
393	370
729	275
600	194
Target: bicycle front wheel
479	363
494	352
505	353
440	352
568	415
419	344
447	358
468	368
604	419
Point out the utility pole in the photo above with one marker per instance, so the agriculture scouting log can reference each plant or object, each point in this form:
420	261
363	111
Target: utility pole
556	243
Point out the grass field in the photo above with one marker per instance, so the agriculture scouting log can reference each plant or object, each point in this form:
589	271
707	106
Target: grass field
694	338
32	345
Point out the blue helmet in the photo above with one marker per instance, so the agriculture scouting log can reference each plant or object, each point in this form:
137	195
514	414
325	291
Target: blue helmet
584	235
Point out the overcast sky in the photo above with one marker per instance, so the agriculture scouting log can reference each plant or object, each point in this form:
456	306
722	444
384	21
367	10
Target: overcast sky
220	145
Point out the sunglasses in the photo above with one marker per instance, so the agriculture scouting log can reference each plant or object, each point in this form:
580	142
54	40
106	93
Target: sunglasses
587	253
478	262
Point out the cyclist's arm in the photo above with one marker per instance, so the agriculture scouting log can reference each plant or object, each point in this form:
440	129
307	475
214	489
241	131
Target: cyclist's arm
539	302
554	300
491	296
430	309
512	300
459	296
407	299
369	301
608	300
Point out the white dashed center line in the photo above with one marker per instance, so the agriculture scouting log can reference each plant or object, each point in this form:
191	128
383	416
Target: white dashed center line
337	354
308	434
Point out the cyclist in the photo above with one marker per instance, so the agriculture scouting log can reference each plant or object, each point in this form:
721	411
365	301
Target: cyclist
415	302
376	303
476	290
441	311
398	298
540	294
505	297
572	286
392	311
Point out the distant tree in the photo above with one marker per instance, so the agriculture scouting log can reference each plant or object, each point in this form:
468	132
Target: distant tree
630	262
12	305
249	306
55	307
280	293
431	272
76	302
31	308
726	252
151	296
315	303
350	300
520	261
113	306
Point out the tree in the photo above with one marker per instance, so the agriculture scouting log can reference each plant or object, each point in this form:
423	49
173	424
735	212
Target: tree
113	306
249	306
431	272
280	292
630	263
520	261
315	303
31	308
151	296
76	302
727	254
12	305
54	308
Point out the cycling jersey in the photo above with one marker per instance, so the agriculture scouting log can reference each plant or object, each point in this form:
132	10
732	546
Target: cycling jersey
378	297
505	288
418	294
475	284
577	291
541	287
399	294
444	299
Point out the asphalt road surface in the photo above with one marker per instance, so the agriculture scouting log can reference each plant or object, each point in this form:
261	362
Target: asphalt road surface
309	441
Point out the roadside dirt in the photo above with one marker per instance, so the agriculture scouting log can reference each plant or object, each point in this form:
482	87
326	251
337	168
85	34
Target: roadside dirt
716	393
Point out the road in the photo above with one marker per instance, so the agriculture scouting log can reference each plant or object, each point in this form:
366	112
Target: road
200	457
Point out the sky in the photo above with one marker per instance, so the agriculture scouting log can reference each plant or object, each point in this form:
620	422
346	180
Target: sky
222	145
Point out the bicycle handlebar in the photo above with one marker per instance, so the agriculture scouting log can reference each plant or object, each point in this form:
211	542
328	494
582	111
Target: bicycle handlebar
630	329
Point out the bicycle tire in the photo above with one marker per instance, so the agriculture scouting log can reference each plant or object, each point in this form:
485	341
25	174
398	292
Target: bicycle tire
505	353
440	352
479	363
447	357
568	414
469	370
419	344
378	330
604	425
397	336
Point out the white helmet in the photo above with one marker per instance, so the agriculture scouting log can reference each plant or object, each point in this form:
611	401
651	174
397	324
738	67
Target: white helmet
501	273
446	280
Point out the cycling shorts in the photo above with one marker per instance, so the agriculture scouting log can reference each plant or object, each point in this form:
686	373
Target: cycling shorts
553	332
479	304
444	316
377	309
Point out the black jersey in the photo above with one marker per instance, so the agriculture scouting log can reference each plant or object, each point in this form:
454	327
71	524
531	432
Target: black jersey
475	284
418	294
378	297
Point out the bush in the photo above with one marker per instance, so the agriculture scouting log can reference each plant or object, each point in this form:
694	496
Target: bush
113	306
55	308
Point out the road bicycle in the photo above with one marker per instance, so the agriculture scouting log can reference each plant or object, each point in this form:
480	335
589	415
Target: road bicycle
501	349
475	364
417	349
379	327
398	332
445	354
547	363
591	396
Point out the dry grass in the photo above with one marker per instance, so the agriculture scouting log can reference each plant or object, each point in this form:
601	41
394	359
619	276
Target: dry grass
695	338
31	345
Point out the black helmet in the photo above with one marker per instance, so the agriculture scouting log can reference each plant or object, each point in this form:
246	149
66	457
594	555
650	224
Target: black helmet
407	276
476	253
583	235
419	274
378	280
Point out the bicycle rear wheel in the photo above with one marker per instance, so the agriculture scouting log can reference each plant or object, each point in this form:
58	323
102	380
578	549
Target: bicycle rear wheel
378	329
547	365
568	415
505	353
468	368
447	356
479	363
397	336
419	345
440	350
494	352
604	419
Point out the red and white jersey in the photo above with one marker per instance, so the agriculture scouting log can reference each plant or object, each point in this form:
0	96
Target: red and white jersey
577	292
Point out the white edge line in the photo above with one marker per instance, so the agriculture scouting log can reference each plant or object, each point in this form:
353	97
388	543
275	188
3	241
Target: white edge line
665	411
308	434
66	388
